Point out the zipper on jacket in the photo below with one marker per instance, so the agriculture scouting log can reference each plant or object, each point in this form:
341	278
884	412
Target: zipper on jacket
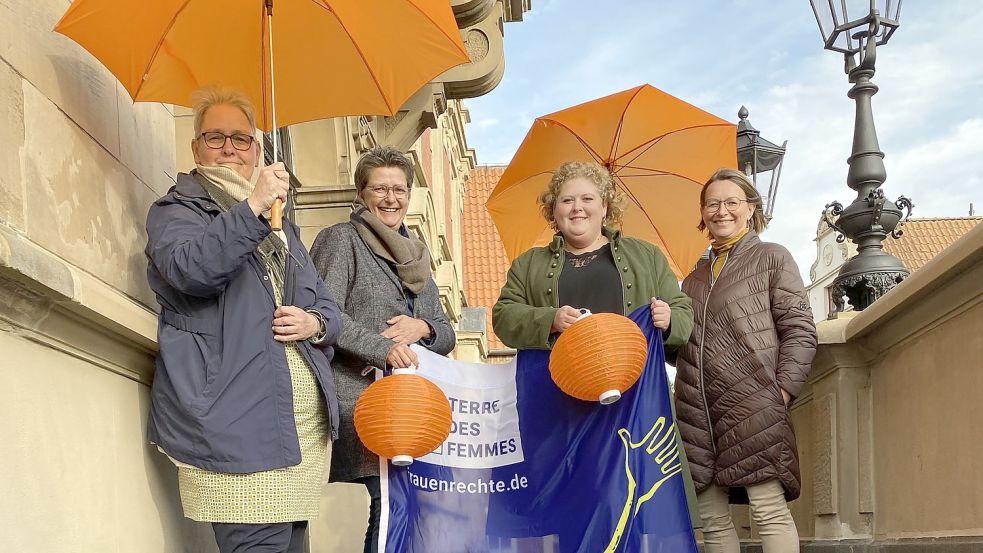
703	333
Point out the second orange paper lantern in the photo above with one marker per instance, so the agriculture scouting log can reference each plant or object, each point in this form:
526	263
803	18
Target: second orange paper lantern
599	357
402	417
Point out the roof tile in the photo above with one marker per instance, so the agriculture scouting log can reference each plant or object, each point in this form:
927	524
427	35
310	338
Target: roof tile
923	239
485	262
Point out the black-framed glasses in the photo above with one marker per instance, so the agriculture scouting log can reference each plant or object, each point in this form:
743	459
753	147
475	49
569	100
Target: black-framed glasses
730	204
400	192
216	140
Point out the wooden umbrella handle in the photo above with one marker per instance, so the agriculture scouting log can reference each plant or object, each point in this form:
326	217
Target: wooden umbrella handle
276	215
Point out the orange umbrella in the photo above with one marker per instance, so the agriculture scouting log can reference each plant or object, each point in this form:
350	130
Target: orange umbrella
659	150
331	57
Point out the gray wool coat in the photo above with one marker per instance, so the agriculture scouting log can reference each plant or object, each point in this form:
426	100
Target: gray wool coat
369	294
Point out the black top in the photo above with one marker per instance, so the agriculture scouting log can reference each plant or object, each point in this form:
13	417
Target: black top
591	281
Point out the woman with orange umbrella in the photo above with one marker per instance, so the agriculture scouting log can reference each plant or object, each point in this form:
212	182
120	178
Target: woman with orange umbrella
746	361
588	265
242	400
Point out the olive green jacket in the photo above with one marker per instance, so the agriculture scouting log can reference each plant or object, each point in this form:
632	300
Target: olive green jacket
524	312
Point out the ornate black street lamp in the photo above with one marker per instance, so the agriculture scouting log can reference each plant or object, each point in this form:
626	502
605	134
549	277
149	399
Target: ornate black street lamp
855	28
758	156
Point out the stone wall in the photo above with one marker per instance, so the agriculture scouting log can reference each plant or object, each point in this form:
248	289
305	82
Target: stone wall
887	426
79	166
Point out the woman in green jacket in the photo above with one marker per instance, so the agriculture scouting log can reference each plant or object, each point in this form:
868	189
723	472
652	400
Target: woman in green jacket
590	266
587	266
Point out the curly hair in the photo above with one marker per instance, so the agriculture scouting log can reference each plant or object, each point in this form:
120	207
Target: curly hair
612	199
758	221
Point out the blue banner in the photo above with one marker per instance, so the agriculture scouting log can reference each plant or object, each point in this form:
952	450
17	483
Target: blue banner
529	469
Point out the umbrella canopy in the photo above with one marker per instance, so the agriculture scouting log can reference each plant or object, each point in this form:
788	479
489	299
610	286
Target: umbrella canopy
331	57
659	149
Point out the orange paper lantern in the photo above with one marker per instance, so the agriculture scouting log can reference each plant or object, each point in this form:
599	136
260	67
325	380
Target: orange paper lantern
599	357
402	416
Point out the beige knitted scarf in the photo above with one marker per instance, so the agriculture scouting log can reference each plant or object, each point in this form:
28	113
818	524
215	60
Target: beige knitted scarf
407	255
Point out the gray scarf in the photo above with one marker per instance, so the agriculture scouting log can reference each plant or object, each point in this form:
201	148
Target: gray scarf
407	255
227	188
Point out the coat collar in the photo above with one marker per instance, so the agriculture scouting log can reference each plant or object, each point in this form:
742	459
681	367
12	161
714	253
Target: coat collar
746	242
613	235
186	189
187	185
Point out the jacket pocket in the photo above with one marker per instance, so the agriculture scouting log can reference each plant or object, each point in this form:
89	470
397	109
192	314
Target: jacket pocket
193	358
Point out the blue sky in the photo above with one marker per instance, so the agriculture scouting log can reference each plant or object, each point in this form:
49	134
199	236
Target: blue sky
768	56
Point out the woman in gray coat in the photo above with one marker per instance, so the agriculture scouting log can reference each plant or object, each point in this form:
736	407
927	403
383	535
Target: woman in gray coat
380	276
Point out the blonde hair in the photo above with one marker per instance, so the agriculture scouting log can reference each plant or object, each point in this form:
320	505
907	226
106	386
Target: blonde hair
209	96
614	200
758	221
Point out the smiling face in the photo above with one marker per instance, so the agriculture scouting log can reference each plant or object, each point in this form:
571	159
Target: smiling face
579	211
228	120
386	195
722	222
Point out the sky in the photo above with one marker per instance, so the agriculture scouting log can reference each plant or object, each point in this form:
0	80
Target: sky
768	56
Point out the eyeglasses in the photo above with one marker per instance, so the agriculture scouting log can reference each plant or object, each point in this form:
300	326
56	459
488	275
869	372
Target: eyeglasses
216	140
731	204
400	192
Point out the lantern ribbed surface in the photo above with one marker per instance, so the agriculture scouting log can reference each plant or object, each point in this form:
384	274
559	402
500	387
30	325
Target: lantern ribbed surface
402	415
599	354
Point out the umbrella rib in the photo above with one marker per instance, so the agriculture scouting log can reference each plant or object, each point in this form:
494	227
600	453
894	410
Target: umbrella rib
590	150
648	144
455	40
368	68
621	124
517	183
153	57
657	173
635	201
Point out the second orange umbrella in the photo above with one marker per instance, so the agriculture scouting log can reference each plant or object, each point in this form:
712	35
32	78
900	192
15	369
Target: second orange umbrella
659	150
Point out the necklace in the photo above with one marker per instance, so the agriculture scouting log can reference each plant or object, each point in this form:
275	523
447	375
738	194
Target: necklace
587	248
582	259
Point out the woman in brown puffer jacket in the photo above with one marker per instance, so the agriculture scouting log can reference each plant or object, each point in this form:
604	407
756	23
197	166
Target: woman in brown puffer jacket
746	360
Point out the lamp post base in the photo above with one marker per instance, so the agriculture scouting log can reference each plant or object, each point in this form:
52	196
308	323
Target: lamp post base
863	289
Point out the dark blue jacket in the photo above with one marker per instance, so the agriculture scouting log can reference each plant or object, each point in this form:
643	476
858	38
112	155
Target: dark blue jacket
222	398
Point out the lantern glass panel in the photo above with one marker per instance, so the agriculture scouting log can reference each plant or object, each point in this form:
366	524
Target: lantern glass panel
825	17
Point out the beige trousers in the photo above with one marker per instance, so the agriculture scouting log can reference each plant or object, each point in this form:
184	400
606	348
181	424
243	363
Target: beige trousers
768	509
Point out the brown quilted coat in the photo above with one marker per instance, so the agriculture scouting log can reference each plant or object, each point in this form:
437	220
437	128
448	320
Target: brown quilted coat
753	334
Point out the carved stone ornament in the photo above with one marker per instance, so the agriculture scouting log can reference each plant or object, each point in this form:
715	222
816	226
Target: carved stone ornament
477	45
863	289
362	136
393	122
